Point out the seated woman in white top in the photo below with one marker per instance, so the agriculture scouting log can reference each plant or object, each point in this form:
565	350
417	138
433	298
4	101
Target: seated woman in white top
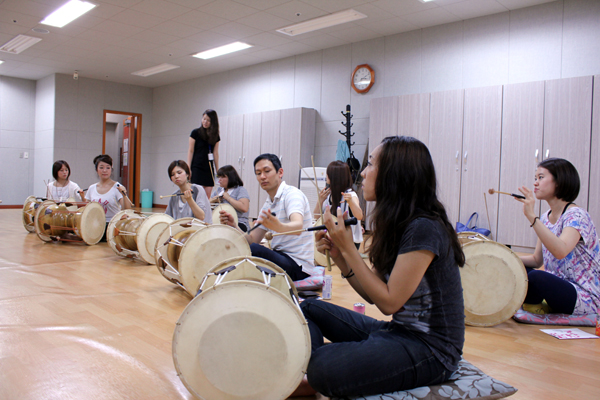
339	193
62	188
190	200
111	195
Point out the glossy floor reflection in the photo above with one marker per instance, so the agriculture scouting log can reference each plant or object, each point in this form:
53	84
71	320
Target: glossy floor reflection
79	322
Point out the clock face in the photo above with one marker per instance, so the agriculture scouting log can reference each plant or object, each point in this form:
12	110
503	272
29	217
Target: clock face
362	78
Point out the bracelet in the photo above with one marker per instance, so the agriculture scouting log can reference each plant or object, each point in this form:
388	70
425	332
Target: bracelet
350	275
533	223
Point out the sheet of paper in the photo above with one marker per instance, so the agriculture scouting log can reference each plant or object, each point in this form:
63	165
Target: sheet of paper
569	333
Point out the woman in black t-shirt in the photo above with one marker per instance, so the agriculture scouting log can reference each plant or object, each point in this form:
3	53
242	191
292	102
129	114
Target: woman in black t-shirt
203	151
415	255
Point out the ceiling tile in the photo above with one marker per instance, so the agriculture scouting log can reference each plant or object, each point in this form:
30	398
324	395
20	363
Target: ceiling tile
432	17
290	10
161	8
227	9
475	8
139	19
200	20
235	30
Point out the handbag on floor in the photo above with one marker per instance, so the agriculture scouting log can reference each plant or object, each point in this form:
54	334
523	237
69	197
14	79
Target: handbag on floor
471	226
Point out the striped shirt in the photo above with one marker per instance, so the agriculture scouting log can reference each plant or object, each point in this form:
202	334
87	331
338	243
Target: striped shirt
289	200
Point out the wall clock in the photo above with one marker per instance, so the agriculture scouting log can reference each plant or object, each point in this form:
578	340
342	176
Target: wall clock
363	78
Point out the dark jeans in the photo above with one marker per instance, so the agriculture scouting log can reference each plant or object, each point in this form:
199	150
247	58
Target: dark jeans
560	295
366	356
281	259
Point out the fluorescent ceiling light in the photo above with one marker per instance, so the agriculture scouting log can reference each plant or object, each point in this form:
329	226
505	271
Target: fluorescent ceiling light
18	44
155	70
425	1
322	22
1	61
67	13
219	51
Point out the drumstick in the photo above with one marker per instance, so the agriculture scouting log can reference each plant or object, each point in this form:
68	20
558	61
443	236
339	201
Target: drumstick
312	160
518	196
258	224
171	195
347	222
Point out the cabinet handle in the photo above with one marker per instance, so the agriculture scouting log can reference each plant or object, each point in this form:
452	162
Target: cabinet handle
537	151
457	153
466	155
547	152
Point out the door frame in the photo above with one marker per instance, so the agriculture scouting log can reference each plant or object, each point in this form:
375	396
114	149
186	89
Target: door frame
133	193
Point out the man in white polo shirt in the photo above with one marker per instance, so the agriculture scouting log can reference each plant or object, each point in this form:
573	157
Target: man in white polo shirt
293	253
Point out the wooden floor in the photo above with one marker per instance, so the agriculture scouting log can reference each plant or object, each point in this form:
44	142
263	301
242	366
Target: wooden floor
79	322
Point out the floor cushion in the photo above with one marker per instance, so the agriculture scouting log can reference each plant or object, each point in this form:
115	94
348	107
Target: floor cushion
313	282
554	319
468	382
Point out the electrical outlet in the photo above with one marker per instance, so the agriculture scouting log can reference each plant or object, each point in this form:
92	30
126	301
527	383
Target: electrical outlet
25	155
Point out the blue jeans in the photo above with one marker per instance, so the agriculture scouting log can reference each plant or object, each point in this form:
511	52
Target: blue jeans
281	259
366	356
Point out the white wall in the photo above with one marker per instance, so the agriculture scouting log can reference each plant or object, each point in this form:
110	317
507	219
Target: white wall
17	110
550	41
80	106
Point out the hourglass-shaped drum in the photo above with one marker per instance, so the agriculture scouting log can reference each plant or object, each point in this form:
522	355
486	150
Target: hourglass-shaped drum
65	222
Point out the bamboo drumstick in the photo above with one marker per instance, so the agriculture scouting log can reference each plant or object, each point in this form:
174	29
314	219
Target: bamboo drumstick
347	222
171	195
518	196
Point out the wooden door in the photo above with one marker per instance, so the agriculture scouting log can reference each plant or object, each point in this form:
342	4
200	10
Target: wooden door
445	145
413	116
251	149
269	142
567	127
522	135
481	155
594	193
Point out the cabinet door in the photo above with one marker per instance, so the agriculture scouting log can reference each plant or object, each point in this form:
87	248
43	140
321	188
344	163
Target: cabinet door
269	142
481	155
383	120
445	145
567	127
251	145
413	116
297	144
231	145
594	196
522	134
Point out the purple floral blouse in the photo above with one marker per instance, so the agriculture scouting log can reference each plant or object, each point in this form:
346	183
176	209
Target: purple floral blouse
581	267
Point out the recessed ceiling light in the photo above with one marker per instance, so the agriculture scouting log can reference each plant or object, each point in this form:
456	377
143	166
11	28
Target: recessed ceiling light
322	22
219	51
19	44
1	61
425	1
154	70
67	13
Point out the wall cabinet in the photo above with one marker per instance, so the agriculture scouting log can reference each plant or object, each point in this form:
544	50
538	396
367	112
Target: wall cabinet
494	137
289	133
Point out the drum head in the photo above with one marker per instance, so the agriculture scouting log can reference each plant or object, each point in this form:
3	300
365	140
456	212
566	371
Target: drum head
110	229
494	283
320	258
468	237
246	269
225	207
39	220
205	249
93	223
148	232
175	227
240	341
29	211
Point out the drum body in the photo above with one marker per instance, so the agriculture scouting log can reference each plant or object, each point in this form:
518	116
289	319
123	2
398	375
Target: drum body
133	234
494	283
61	222
187	250
29	210
241	337
225	207
320	258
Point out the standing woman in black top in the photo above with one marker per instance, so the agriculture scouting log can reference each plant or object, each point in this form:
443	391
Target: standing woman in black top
203	152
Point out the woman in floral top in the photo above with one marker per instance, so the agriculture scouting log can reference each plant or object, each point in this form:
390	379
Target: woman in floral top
567	245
